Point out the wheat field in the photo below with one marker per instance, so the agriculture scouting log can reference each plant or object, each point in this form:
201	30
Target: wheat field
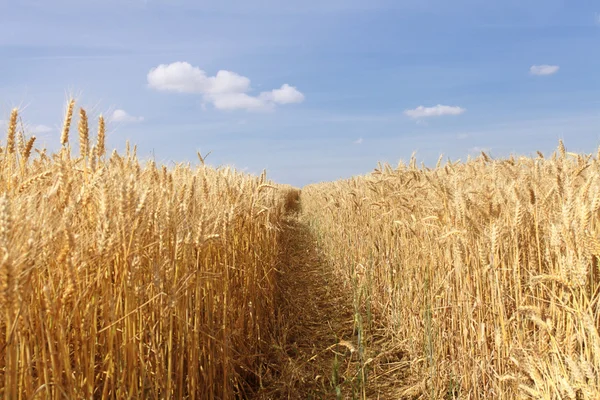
487	270
127	279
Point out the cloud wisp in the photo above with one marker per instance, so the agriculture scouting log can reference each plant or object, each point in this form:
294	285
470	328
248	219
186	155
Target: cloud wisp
226	90
479	149
39	129
30	129
122	116
435	111
543	70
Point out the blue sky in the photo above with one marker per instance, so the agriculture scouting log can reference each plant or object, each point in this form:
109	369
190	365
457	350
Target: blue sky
310	90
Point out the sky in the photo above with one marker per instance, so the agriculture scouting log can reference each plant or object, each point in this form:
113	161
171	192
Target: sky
309	90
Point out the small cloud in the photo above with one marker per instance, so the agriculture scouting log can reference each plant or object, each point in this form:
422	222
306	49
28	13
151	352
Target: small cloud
478	149
462	136
435	111
285	95
226	90
358	141
542	70
121	116
597	18
34	129
39	129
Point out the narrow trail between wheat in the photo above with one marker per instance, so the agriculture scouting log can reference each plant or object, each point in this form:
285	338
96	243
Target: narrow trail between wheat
319	355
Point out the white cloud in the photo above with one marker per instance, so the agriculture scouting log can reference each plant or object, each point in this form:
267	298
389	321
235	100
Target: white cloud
462	136
34	129
121	116
435	111
236	101
358	141
226	90
182	77
285	95
478	149
543	69
39	129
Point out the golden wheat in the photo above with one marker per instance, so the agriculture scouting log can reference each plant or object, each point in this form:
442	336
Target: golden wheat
485	270
123	279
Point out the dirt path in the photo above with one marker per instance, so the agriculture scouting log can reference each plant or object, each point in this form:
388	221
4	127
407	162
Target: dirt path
319	356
